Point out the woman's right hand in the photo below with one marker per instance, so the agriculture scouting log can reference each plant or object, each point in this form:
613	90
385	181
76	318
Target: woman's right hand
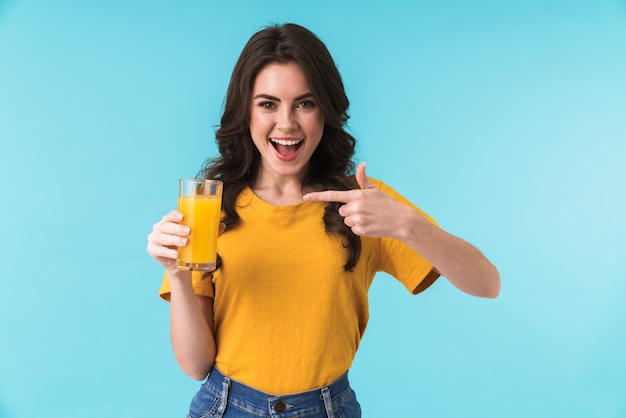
166	236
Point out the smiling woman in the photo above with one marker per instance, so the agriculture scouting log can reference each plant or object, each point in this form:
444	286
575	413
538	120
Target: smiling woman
303	236
286	126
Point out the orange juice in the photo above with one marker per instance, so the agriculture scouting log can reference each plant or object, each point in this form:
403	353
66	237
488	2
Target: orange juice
201	213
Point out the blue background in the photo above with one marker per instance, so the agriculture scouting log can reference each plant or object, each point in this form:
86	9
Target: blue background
506	121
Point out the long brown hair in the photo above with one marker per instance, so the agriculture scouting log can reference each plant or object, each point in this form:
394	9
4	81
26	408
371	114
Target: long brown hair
331	165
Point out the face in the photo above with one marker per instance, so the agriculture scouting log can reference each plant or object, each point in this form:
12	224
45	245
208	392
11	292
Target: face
285	122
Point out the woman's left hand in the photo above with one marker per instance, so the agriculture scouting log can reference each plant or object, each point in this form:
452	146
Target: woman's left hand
368	211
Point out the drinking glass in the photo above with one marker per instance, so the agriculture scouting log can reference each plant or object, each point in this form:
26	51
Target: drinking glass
200	201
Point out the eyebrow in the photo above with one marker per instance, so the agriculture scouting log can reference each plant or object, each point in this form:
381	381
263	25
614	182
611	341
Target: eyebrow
276	99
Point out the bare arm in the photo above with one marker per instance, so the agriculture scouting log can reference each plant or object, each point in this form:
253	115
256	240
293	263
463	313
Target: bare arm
191	327
191	316
455	259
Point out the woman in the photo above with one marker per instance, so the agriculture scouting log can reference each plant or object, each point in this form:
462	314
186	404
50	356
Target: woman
278	324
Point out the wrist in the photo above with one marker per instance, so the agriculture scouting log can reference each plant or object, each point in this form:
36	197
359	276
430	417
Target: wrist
408	226
177	275
414	228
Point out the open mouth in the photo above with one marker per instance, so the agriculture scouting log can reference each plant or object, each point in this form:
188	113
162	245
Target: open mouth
286	147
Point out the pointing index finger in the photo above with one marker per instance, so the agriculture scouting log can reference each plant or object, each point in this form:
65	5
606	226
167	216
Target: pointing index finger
330	196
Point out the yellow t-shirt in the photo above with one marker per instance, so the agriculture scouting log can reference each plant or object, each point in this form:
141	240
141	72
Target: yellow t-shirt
288	318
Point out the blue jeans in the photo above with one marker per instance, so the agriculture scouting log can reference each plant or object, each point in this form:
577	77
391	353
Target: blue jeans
222	397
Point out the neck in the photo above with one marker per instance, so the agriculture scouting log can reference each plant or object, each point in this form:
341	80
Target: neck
279	190
279	194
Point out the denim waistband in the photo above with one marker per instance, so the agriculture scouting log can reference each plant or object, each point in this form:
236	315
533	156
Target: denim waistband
266	404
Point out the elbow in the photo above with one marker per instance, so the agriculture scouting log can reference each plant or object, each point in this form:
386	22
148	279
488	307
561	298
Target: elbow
195	363
487	292
197	369
492	290
197	373
496	291
486	285
492	293
198	376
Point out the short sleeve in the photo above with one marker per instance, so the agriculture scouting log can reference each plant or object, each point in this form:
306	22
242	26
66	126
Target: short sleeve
202	285
402	262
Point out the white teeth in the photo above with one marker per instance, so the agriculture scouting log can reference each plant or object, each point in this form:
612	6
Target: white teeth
286	141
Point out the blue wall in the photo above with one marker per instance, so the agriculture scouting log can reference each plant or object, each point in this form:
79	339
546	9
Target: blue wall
506	121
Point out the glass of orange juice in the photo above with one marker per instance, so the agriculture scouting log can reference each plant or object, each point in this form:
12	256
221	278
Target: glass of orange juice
200	201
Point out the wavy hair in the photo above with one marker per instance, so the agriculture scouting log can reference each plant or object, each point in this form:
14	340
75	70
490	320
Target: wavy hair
331	165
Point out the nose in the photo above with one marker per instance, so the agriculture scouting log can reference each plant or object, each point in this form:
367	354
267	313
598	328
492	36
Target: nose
286	120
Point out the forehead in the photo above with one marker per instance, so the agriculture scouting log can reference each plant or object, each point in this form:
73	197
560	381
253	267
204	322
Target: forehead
282	78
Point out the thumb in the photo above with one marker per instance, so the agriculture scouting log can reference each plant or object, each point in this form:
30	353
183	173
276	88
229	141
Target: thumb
362	179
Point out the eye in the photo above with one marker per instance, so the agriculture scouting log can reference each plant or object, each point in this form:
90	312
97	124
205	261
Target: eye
306	104
266	105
